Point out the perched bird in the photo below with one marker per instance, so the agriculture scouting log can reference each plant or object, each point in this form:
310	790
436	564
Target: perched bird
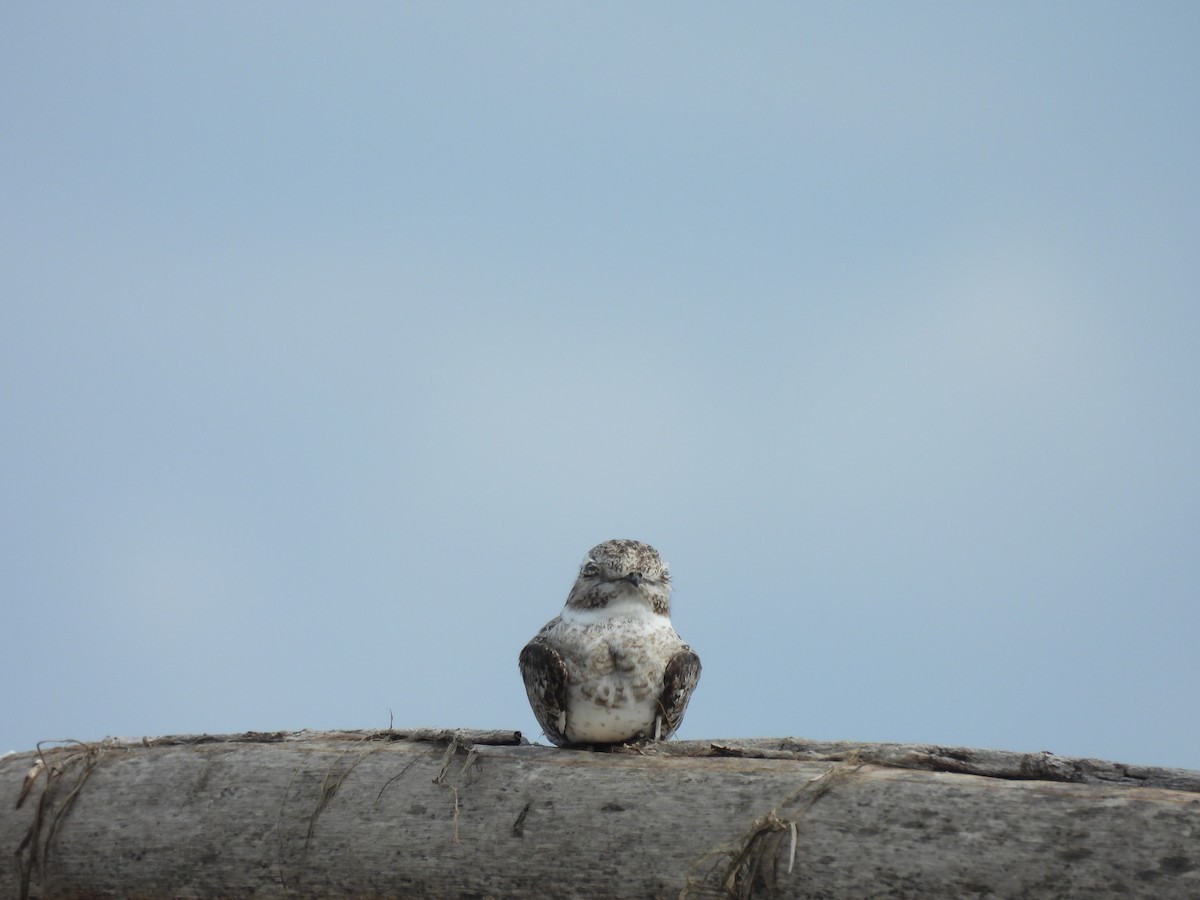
610	669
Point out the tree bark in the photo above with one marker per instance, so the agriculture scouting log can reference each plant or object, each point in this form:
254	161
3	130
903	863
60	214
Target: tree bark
481	814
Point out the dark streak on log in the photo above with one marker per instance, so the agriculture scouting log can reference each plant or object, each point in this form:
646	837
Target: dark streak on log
1042	766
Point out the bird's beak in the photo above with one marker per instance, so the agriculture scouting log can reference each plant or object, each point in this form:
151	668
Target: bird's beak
634	578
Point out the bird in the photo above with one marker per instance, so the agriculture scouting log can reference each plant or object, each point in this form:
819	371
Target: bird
610	669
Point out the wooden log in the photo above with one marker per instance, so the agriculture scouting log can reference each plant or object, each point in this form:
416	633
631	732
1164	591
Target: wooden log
473	814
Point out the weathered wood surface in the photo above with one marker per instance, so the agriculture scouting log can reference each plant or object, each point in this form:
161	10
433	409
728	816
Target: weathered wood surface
403	814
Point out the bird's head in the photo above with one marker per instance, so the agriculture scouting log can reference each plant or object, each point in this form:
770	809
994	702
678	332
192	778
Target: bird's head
621	572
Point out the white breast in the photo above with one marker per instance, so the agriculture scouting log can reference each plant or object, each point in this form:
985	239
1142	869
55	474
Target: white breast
615	661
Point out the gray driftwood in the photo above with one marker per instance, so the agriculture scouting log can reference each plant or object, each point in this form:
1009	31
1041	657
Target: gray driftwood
476	814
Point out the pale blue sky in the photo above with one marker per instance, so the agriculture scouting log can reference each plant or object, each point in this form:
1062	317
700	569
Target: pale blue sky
332	337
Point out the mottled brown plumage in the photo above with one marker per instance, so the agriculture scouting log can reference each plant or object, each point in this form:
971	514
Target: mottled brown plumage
610	668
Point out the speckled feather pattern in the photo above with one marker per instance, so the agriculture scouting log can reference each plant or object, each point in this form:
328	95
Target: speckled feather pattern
610	668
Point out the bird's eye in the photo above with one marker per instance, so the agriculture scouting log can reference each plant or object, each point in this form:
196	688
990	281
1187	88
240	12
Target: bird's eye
590	568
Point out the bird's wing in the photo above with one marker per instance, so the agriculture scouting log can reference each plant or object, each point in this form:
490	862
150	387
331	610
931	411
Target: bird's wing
679	680
545	676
